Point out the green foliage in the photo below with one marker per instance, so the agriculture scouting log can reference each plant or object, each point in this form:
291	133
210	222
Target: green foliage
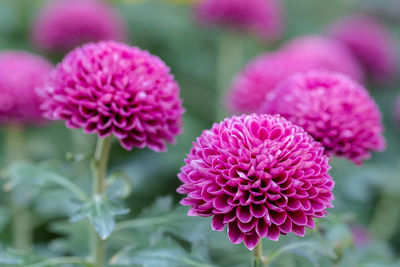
100	212
157	231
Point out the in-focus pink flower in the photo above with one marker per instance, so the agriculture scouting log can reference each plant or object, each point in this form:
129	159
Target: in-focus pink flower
260	77
64	24
334	109
260	175
112	88
370	42
265	18
20	73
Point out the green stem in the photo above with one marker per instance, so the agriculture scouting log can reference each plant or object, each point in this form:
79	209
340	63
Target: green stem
384	222
229	61
99	170
21	217
259	259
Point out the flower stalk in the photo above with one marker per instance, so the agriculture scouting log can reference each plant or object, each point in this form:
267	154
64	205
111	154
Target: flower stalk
22	230
229	60
99	170
259	259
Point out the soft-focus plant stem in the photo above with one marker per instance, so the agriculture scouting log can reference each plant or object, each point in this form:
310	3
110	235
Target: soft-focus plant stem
99	170
229	61
259	259
21	218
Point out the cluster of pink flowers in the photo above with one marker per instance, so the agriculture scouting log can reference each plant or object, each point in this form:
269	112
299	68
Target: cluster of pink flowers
260	175
112	88
260	77
20	74
334	109
64	24
370	42
265	18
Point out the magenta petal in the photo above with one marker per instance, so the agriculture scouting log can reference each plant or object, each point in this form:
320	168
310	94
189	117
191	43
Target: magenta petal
217	223
298	217
247	227
310	222
243	214
221	204
277	217
298	230
262	228
273	233
286	226
251	241
234	233
258	211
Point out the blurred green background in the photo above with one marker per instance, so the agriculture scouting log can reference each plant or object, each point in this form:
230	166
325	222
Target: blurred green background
367	205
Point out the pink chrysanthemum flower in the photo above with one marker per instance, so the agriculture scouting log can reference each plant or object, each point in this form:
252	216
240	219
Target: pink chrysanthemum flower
260	77
64	24
112	88
370	42
260	175
331	54
265	18
334	109
20	73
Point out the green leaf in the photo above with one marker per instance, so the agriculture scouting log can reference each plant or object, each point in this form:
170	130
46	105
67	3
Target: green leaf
119	186
78	157
165	254
73	238
25	174
308	250
18	259
101	212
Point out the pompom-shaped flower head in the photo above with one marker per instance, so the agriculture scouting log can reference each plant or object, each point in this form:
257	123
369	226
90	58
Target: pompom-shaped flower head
334	109
260	77
370	42
64	24
264	18
112	88
20	74
260	175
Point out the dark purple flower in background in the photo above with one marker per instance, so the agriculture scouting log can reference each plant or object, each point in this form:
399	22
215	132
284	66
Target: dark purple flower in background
370	42
333	108
264	18
259	175
112	88
62	25
260	77
20	73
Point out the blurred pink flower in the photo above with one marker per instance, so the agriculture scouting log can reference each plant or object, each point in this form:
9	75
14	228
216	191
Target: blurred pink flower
265	18
361	236
260	77
20	73
112	88
370	42
64	24
260	175
331	54
334	109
